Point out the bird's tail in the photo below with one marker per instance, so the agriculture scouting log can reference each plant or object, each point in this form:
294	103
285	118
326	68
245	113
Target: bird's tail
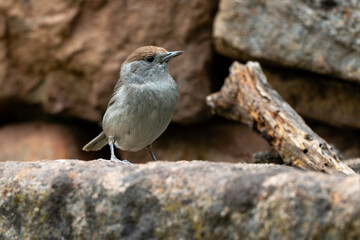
97	143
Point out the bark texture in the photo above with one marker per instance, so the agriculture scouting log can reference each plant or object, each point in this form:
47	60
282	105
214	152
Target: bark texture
247	97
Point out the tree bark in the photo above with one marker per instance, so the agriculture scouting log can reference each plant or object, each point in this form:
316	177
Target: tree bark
247	97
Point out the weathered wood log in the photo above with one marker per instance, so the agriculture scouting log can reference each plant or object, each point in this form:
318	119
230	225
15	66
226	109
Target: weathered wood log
247	97
354	164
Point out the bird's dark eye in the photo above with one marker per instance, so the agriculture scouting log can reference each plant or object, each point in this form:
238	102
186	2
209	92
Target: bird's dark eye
150	58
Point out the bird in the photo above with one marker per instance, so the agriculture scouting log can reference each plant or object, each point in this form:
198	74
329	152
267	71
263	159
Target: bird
143	102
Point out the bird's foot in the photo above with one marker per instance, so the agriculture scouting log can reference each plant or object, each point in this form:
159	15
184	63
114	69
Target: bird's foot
115	160
103	160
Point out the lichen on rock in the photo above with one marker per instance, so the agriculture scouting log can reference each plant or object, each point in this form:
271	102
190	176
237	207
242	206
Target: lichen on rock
182	200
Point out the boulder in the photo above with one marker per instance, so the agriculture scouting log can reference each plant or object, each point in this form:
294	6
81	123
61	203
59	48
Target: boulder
67	199
317	97
38	140
319	35
66	55
212	141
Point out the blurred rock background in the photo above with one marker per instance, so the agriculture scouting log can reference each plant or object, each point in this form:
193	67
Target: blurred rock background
59	62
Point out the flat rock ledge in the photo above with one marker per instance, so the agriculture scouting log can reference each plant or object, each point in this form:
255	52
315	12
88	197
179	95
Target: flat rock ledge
70	199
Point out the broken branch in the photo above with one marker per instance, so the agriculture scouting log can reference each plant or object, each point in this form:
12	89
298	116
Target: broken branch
247	97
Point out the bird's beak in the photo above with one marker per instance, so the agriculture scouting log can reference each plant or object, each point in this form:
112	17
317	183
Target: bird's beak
169	55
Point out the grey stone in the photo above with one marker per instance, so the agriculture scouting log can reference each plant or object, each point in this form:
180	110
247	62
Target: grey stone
69	199
318	97
319	35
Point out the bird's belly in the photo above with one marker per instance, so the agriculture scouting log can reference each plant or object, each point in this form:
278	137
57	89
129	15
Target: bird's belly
143	130
140	118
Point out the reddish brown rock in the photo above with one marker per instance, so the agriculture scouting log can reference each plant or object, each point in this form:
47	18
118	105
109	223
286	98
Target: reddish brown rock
66	55
38	141
225	141
217	141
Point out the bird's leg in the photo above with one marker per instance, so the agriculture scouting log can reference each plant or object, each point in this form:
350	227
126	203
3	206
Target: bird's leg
113	156
111	144
151	152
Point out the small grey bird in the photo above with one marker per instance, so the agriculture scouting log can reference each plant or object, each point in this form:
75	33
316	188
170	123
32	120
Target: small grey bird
142	104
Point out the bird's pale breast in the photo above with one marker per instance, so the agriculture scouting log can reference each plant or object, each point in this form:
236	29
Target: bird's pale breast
140	113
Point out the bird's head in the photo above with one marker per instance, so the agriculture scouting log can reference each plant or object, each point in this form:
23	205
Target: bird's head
146	63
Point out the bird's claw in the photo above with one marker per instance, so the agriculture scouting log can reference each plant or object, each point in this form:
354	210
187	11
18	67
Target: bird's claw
115	160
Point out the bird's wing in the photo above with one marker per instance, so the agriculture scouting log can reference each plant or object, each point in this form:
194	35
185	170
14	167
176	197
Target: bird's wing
116	88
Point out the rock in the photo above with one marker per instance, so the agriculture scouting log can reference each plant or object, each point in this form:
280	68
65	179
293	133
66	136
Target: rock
225	141
66	55
317	97
212	141
36	140
183	200
319	35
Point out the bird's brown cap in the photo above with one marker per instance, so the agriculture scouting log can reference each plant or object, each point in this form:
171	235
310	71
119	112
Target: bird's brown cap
142	52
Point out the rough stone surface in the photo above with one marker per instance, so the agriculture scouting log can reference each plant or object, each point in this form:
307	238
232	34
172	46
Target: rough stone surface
318	35
183	200
66	55
317	97
35	140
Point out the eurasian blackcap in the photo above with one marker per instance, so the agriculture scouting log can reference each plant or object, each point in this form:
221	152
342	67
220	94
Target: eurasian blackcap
142	104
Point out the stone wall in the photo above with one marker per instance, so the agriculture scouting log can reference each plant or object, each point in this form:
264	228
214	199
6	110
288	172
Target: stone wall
185	200
60	62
